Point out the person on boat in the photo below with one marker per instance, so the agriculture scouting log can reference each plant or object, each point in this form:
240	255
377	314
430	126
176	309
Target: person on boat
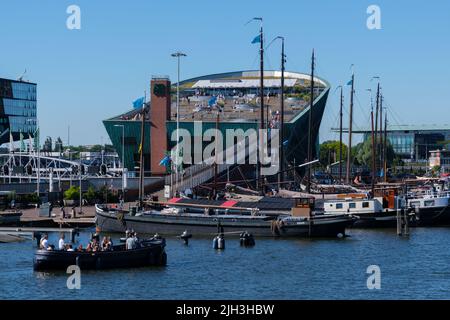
129	243
44	242
61	243
136	243
95	245
69	248
80	248
109	244
105	244
89	247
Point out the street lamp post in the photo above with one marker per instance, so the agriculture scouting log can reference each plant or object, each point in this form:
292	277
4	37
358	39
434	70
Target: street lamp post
178	55
123	159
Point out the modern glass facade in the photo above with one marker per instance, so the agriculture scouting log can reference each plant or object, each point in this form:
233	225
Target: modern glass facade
416	143
17	109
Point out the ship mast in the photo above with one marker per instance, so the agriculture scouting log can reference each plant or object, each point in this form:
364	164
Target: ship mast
283	60
350	131
340	134
310	121
377	107
141	158
259	182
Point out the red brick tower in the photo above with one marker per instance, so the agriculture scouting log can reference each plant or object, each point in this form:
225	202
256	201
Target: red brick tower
159	114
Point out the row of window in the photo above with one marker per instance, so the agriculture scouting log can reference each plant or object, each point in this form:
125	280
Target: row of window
19	107
351	205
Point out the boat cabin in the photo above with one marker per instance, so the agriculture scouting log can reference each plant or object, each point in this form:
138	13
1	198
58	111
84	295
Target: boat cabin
303	207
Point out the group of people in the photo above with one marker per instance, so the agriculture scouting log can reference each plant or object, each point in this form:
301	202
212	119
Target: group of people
94	244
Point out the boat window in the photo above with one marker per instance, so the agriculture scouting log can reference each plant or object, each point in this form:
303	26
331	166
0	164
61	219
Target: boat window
339	206
415	204
352	205
429	203
365	205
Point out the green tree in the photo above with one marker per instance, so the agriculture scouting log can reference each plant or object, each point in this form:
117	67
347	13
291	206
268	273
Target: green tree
90	195
73	193
363	153
329	152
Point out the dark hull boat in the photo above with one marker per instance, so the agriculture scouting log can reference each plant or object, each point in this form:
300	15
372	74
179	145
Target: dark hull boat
10	218
431	210
150	253
376	220
150	222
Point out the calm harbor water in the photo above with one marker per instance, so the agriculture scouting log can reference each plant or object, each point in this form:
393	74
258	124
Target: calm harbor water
417	267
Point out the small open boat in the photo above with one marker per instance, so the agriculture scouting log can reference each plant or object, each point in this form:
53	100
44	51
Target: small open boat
151	252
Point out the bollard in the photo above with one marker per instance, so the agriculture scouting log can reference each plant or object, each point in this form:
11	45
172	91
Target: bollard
399	222
406	222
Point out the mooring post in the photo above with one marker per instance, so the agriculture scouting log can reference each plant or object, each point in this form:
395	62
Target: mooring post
406	222
399	222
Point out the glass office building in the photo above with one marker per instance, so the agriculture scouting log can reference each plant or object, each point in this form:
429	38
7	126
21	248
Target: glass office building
414	142
17	109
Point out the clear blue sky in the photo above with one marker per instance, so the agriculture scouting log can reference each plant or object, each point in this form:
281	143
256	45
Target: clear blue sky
87	75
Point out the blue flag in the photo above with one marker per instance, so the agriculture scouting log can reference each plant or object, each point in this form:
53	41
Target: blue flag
138	103
350	83
165	161
257	39
212	101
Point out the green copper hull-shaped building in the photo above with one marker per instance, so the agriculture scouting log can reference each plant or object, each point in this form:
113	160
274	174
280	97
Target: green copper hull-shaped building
237	96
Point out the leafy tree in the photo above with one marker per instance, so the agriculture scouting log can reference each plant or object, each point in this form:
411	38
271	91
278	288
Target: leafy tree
90	195
329	152
364	153
73	193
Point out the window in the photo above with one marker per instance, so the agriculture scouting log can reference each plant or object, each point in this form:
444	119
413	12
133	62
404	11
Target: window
428	203
415	204
352	205
365	205
339	206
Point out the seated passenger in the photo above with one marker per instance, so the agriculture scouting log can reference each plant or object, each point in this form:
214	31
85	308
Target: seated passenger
61	243
44	243
69	248
104	244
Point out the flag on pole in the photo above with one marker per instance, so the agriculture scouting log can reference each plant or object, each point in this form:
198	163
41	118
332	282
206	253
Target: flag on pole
165	161
257	39
22	143
138	102
350	83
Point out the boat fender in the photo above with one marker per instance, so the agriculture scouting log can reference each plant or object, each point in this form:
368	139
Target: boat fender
216	243
221	243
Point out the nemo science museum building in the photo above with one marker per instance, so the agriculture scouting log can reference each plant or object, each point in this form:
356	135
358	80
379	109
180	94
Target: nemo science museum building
238	96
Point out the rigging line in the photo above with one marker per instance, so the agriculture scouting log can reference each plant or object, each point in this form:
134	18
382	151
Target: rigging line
367	119
392	110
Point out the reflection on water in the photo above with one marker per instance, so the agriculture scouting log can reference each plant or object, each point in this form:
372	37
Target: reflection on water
414	267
